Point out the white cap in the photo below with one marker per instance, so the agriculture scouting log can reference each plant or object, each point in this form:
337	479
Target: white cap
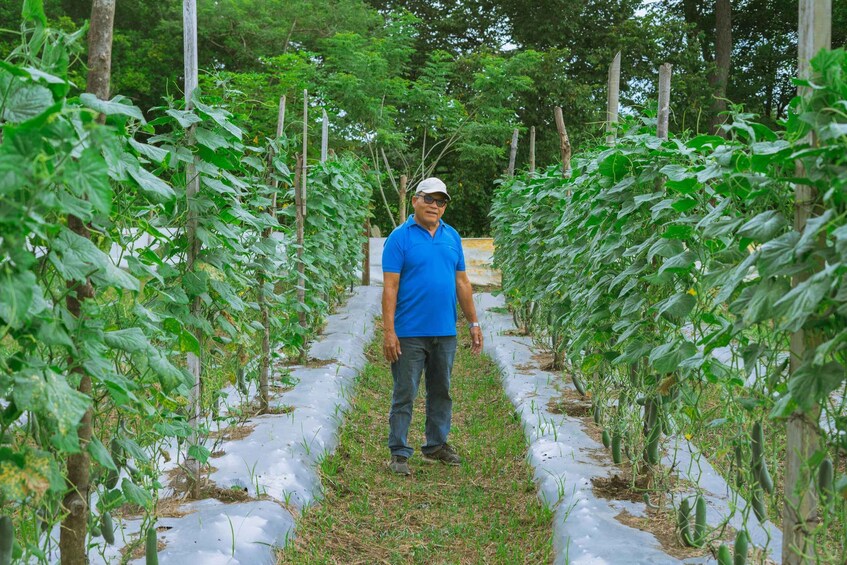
431	185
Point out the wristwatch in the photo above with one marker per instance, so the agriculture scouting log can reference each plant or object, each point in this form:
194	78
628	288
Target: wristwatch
473	325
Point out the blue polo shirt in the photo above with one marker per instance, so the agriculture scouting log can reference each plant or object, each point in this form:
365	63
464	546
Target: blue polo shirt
426	299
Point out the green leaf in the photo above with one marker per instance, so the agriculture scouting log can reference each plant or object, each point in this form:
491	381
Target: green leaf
100	454
16	296
677	307
53	333
763	297
34	10
81	258
115	106
803	300
221	117
88	178
21	101
131	340
48	393
678	231
135	494
195	283
169	376
155	154
210	139
777	254
184	118
681	263
812	384
667	357
155	187
199	452
763	226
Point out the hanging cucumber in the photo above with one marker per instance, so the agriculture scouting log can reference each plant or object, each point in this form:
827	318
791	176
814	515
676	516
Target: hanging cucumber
700	521
758	502
825	474
579	385
765	477
682	517
107	528
616	448
724	555
598	413
739	462
758	443
151	547
740	551
607	440
7	540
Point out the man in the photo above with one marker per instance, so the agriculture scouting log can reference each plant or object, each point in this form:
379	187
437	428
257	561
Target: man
423	275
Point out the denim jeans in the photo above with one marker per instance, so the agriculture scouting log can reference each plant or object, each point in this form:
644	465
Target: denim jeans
432	356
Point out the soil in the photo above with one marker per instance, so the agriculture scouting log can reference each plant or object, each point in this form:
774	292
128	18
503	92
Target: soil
661	523
233	432
571	403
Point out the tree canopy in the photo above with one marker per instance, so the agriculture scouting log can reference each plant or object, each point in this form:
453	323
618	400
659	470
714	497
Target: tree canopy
418	88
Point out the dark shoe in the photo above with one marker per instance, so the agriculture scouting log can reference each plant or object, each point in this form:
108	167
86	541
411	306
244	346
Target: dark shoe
399	465
445	454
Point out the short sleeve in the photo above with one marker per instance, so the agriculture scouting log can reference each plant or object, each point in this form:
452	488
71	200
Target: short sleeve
460	265
392	254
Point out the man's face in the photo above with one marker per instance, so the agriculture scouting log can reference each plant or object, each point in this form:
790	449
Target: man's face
429	213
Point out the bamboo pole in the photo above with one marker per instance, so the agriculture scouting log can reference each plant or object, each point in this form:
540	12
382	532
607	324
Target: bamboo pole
280	123
192	188
513	151
299	207
532	150
366	248
663	116
324	137
800	512
304	176
564	142
264	372
613	99
402	198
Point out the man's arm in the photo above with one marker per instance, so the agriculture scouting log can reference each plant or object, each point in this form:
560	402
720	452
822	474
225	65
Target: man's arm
390	343
464	291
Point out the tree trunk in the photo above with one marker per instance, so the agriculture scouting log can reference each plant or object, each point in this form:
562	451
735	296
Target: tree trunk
75	525
719	75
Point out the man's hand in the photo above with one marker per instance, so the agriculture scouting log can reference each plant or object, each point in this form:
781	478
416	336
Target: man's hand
391	346
476	340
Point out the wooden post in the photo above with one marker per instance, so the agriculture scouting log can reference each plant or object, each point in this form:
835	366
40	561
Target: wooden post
564	142
305	175
280	123
264	372
513	151
300	171
192	187
402	197
366	247
613	99
800	511
324	137
532	150
76	502
663	116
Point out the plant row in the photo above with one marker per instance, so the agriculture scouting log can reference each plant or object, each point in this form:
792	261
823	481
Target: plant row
99	303
672	276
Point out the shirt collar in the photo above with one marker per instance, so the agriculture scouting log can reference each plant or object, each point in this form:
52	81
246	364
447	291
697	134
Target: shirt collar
410	221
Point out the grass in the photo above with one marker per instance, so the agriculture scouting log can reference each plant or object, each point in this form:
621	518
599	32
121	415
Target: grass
485	511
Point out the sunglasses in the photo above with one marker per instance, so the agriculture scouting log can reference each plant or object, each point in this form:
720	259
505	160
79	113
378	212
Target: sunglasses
440	202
